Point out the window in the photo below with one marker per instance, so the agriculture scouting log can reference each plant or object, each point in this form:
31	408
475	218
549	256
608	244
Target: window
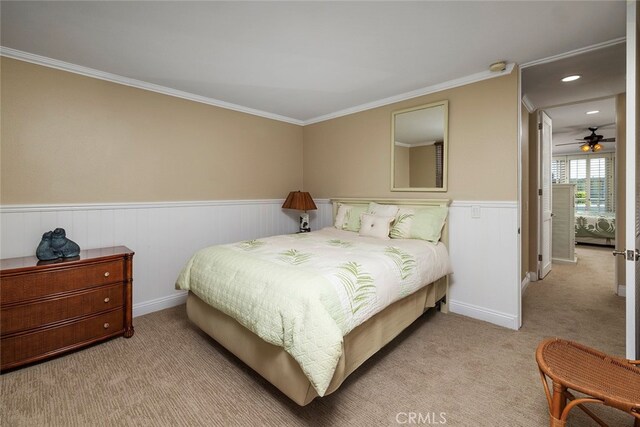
558	171
593	176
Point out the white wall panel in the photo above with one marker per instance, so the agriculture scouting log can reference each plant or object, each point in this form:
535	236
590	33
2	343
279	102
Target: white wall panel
163	235
484	250
484	256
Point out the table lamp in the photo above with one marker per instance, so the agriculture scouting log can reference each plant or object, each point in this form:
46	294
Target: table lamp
301	201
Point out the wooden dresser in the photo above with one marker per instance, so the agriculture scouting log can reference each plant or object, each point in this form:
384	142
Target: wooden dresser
51	308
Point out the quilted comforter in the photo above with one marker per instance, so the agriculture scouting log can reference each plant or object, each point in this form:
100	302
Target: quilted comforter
596	225
304	292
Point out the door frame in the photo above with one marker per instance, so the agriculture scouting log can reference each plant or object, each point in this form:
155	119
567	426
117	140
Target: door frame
632	326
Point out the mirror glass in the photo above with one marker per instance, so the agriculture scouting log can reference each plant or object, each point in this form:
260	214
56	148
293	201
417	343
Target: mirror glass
419	148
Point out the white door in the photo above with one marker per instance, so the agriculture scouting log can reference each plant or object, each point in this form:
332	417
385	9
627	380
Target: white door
632	224
544	195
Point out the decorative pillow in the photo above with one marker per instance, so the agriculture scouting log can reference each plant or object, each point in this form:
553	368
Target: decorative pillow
352	218
342	212
424	223
382	210
402	226
348	217
375	226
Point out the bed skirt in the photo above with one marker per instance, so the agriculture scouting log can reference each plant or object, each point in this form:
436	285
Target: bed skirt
281	370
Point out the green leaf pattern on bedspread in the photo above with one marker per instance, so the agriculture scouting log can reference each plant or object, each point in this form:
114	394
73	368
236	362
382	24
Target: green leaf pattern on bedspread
294	257
339	243
304	292
357	283
405	262
249	245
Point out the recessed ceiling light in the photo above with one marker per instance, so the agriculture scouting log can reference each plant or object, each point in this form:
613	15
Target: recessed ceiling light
593	112
571	78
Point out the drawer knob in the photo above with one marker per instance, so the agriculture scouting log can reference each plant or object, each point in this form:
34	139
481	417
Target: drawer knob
106	325
106	300
106	274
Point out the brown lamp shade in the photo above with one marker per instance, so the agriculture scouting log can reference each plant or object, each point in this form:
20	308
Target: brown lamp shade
299	200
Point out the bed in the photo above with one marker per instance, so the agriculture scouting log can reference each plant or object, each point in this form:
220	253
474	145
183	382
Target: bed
596	228
306	340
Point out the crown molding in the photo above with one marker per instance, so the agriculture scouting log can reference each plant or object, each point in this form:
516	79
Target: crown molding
114	78
528	104
102	75
473	78
574	52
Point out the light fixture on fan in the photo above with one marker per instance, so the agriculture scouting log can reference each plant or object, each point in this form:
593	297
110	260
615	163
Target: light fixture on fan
593	147
591	142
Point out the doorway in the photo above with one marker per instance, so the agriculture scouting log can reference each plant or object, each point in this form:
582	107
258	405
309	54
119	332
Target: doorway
587	161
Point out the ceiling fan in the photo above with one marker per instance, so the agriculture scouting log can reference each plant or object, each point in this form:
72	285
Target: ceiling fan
591	142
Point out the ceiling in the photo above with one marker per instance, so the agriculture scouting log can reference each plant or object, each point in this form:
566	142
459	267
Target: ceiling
603	74
303	61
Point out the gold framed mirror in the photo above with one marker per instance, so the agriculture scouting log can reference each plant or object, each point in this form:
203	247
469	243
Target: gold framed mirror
419	148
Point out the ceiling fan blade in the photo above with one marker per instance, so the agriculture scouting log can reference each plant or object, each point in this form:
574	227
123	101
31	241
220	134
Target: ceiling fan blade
569	143
608	140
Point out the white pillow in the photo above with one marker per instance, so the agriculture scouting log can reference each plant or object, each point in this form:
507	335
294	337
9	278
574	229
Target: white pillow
382	210
375	226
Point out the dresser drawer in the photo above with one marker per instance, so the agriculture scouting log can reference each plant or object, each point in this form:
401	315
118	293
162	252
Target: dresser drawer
24	287
29	347
26	316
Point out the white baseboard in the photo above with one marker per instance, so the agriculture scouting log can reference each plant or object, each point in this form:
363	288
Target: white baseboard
157	304
564	260
481	313
622	291
524	284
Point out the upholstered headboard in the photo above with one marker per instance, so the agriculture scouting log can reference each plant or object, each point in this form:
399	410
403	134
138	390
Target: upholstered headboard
406	203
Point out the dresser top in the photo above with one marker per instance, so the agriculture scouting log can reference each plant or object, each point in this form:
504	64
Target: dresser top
87	255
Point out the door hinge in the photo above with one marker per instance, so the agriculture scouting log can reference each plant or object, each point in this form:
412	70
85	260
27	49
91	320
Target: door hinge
539	257
539	126
539	191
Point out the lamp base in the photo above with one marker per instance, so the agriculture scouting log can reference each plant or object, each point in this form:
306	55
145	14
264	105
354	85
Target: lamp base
304	223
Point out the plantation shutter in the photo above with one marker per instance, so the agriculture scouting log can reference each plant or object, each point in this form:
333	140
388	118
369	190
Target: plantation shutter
594	176
610	171
597	185
559	171
578	176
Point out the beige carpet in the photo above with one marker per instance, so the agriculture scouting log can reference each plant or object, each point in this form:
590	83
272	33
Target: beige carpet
475	373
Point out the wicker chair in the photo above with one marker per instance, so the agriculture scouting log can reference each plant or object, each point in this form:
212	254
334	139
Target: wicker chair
602	378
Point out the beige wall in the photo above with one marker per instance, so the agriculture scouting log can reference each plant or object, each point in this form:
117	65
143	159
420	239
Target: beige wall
524	211
422	166
621	186
66	138
401	168
350	155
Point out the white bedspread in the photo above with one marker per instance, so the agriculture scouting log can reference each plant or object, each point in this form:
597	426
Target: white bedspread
304	292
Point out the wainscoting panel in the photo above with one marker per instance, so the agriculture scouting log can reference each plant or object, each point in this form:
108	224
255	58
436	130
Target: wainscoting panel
163	235
484	250
483	244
